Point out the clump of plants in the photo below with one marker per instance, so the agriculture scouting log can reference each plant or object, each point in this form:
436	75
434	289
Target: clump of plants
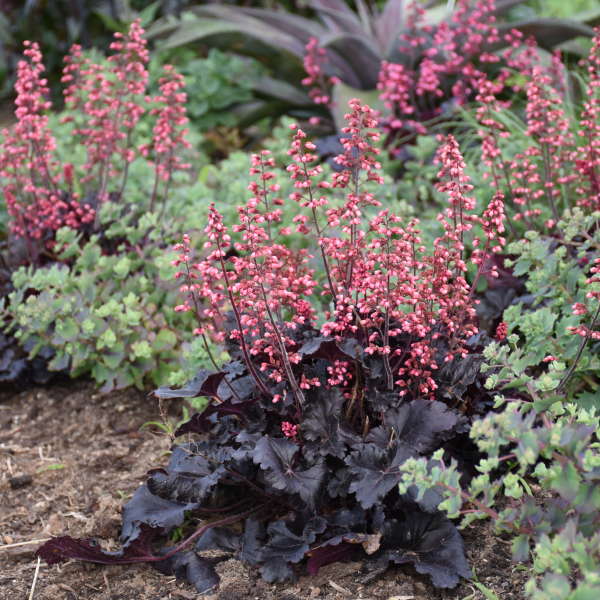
545	161
538	483
416	62
315	412
339	424
90	220
538	480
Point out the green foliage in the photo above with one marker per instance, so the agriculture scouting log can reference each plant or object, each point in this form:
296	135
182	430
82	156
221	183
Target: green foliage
108	315
557	454
105	315
213	84
539	324
553	8
419	172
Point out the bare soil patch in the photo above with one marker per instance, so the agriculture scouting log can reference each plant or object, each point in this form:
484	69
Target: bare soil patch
70	457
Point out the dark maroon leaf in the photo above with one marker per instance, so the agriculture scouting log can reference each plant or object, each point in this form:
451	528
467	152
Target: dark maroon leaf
60	549
188	478
423	424
326	348
145	508
277	456
431	543
205	383
188	566
180	487
494	265
246	547
326	554
203	422
376	471
323	426
285	544
458	374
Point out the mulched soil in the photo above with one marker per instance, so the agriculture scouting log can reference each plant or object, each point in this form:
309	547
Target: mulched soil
70	456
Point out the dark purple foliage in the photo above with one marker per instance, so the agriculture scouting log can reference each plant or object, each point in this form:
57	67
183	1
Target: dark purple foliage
329	493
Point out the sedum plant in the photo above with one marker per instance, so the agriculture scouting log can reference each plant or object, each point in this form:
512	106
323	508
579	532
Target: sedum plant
542	468
548	329
216	85
105	315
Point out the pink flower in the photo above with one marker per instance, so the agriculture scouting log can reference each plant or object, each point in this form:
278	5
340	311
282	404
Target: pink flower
289	430
314	62
502	331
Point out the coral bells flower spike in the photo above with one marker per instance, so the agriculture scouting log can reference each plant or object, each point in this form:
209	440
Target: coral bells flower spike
169	133
314	61
112	102
105	103
588	161
27	162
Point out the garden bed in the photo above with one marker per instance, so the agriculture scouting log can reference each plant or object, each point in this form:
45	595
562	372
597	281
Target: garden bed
85	453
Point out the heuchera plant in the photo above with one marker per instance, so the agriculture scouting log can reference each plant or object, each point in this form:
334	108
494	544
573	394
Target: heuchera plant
433	70
106	106
437	68
556	165
105	102
309	423
31	181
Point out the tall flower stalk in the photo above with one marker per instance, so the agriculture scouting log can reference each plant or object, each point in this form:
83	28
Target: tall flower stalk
387	291
105	102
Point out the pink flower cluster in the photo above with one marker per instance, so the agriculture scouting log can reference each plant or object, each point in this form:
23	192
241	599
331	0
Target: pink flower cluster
105	102
501	331
560	165
29	169
289	430
581	309
265	282
319	83
383	286
588	160
110	102
439	66
169	131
